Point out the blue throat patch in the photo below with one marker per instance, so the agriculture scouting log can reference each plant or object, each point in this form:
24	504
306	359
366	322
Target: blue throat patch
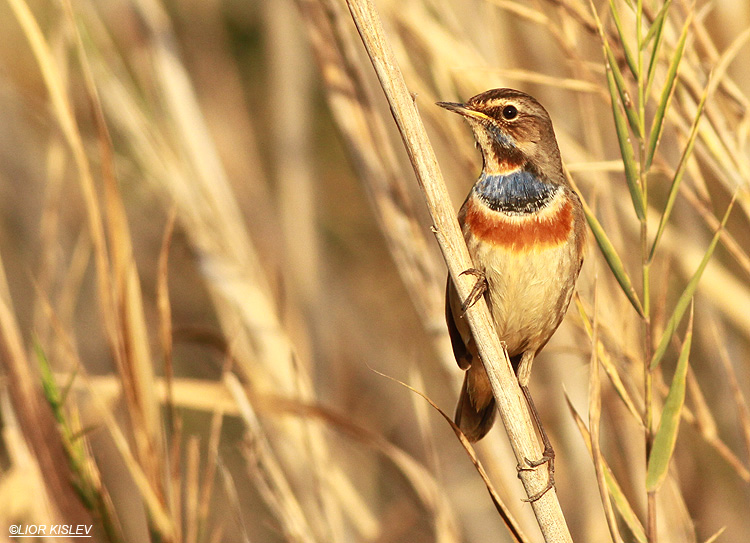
517	193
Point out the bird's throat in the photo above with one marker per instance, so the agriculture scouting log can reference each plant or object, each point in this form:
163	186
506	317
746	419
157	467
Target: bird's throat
519	192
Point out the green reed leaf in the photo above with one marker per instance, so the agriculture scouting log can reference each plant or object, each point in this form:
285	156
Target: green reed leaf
49	385
657	126
615	68
615	90
657	26
613	259
680	172
629	58
656	31
687	295
626	148
622	91
623	507
669	423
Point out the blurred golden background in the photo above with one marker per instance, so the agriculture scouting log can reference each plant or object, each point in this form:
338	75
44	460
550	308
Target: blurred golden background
212	241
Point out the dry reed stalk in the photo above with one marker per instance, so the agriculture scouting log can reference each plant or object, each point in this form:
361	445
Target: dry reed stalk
192	490
595	413
291	144
511	405
442	51
374	158
205	207
268	474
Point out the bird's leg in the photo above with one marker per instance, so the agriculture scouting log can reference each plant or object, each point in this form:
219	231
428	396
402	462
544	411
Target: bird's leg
480	287
548	454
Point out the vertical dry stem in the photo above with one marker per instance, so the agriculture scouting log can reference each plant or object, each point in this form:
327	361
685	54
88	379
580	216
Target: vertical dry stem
505	387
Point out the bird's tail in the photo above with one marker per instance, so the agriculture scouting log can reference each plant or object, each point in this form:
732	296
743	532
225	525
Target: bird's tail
475	412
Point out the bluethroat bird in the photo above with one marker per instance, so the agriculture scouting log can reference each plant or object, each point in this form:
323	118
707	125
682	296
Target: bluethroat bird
525	230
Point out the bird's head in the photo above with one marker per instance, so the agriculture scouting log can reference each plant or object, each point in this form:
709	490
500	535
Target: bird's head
512	130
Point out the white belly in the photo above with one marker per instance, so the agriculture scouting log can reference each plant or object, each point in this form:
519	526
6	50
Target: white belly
529	292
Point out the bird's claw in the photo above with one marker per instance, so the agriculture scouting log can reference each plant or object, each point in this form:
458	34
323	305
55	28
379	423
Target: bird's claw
548	457
480	287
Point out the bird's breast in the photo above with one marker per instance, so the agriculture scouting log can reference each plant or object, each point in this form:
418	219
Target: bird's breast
530	261
548	227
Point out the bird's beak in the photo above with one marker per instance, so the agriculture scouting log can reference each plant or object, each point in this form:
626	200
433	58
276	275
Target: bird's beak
463	109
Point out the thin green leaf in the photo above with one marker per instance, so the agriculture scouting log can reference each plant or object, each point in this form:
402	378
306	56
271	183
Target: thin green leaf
612	258
681	167
623	507
629	58
622	90
657	126
49	386
615	491
657	25
626	148
612	62
687	295
669	423
656	31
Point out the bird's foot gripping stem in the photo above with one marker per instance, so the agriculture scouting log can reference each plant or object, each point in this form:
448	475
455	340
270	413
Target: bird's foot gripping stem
548	454
548	457
480	287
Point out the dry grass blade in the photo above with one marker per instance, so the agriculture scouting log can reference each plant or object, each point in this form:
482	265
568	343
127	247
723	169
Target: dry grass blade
375	159
209	473
268	474
595	413
165	314
729	241
192	490
605	360
230	489
715	537
626	511
424	484
64	114
743	412
159	516
512	525
132	347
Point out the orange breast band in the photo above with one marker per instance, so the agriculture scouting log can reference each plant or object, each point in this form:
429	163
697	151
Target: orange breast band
547	228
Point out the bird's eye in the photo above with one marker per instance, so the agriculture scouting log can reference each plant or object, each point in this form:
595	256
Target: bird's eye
510	112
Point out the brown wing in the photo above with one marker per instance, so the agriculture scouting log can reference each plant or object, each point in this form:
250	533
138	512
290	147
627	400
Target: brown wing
475	412
460	349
